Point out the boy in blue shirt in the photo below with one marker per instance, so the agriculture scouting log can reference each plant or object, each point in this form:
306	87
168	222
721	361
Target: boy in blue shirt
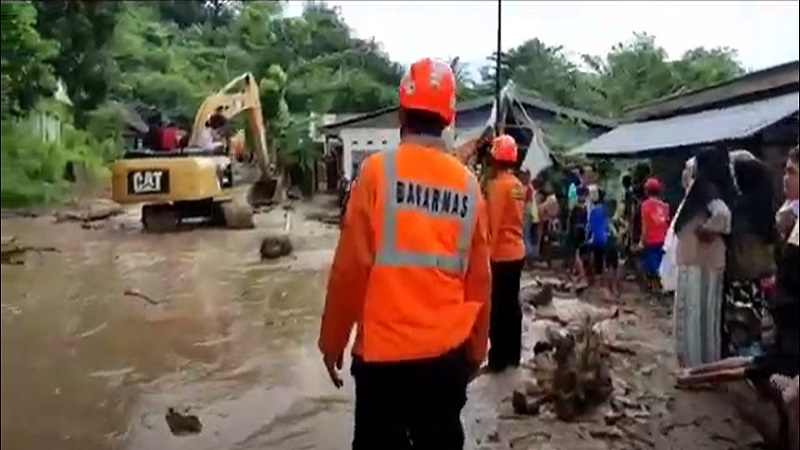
602	243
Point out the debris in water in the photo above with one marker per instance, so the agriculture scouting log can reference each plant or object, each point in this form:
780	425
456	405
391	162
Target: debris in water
99	211
182	424
94	330
573	373
137	294
13	253
91	226
111	373
273	247
11	309
213	342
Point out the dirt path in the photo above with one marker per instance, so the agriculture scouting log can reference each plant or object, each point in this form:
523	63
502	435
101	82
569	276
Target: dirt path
663	418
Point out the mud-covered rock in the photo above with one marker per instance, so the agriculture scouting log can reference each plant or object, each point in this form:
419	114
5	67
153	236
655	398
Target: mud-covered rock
237	216
273	247
182	424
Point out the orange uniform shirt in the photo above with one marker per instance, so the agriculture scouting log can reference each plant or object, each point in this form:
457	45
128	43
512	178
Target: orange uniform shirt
506	204
411	269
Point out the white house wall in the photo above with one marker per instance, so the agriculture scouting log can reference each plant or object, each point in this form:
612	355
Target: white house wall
358	143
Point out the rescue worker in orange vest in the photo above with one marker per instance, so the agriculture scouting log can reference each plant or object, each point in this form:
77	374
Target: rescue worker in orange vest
411	272
506	204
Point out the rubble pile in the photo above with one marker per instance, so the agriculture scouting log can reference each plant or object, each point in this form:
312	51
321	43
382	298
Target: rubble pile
570	369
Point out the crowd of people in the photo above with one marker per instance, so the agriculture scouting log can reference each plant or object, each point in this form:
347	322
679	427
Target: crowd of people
594	233
428	264
736	310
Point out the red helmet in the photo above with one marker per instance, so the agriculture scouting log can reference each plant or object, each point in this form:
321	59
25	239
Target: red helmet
652	185
430	86
504	149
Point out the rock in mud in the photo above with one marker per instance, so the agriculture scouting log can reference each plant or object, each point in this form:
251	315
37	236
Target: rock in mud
238	216
273	247
183	424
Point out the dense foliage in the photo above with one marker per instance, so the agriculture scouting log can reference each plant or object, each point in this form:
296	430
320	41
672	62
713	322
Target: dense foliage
168	55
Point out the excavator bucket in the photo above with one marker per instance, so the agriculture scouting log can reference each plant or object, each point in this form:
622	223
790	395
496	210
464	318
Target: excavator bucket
262	192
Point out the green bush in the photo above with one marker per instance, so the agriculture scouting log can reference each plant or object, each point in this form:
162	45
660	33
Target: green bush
32	170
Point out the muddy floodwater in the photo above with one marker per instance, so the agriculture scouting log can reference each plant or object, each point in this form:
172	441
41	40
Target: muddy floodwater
215	332
101	338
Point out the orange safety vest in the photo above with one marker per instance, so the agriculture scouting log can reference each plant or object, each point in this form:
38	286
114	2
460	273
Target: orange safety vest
426	291
506	203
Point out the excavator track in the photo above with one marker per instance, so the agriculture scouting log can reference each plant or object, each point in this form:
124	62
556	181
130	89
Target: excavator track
234	215
162	218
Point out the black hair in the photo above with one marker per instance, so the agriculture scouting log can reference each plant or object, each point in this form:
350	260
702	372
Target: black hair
753	210
601	195
421	122
713	180
627	180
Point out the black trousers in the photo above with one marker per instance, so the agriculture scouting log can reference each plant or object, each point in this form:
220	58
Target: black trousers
505	323
411	404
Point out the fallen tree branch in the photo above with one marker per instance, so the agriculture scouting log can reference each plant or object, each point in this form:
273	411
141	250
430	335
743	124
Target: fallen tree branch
137	294
11	251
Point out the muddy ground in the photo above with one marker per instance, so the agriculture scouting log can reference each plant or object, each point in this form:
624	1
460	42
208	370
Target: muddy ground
106	333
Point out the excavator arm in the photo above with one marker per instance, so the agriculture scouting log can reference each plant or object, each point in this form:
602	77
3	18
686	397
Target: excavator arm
238	96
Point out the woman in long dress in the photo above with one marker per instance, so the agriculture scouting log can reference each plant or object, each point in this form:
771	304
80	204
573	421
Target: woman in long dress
701	227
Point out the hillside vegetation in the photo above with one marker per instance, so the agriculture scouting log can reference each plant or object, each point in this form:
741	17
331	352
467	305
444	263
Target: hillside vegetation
169	55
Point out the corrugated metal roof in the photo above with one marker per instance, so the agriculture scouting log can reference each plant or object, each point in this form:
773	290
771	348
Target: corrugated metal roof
734	122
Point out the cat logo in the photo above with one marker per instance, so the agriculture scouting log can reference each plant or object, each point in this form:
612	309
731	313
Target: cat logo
148	182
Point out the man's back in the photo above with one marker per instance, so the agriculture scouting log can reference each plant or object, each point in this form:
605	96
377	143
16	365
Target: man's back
415	217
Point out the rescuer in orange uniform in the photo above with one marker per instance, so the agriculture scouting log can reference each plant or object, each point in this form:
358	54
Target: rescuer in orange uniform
506	204
411	272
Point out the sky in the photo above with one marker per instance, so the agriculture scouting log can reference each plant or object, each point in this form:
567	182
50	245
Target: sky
765	33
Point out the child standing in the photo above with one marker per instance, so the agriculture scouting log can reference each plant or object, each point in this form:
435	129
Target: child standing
576	238
601	243
655	223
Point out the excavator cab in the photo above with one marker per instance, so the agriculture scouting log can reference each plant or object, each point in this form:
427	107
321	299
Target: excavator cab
197	181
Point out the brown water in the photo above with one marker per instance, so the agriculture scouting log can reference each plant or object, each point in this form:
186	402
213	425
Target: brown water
86	367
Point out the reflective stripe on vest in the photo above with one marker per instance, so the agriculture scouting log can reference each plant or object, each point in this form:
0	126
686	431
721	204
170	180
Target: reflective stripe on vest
389	256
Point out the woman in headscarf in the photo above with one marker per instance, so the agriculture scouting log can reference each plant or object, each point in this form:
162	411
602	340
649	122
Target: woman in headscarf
669	268
750	263
701	227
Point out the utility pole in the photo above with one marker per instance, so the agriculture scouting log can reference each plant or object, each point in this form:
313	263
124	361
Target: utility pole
497	85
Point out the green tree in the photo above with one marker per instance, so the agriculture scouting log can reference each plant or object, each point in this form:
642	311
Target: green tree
83	29
26	76
701	67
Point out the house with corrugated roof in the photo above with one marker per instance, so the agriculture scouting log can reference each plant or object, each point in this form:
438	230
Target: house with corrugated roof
528	118
757	111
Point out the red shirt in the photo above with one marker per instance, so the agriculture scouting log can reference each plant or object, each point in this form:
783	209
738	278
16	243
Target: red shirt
169	139
528	193
655	220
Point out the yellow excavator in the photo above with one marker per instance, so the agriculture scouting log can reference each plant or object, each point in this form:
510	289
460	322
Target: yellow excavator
197	181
